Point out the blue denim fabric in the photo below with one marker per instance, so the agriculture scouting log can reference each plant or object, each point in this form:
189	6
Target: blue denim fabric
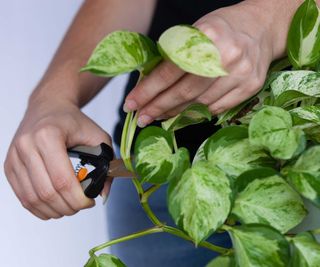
125	216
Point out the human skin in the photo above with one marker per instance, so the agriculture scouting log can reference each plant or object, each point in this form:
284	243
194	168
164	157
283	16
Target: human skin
37	165
249	36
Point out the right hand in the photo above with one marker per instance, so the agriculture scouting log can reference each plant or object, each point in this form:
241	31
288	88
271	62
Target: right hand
37	164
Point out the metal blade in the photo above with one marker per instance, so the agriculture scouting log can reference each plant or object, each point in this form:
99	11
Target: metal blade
117	169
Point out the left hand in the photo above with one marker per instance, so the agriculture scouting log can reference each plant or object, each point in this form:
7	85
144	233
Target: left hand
245	43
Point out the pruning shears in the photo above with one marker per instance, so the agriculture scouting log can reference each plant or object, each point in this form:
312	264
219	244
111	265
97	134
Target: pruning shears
104	165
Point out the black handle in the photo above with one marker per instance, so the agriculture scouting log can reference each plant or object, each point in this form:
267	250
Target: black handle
99	157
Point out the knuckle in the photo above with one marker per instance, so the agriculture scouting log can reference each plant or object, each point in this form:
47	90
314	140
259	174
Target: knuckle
30	200
61	183
46	195
22	143
206	28
166	74
185	93
246	66
235	52
46	131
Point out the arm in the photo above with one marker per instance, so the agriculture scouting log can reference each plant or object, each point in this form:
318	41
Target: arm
95	19
37	165
249	36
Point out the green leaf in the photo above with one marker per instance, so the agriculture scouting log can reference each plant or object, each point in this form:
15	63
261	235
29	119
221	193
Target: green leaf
250	103
291	87
193	114
270	201
200	155
222	261
104	260
271	129
231	113
121	52
155	161
248	176
304	174
303	43
201	200
259	246
307	114
306	251
231	151
191	50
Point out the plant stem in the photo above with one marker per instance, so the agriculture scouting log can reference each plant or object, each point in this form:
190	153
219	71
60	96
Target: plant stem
150	214
175	146
160	229
205	244
149	192
149	231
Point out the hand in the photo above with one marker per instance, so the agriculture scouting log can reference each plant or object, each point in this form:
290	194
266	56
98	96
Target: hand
37	165
246	48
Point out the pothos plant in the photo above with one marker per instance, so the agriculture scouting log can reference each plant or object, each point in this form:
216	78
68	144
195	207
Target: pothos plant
249	178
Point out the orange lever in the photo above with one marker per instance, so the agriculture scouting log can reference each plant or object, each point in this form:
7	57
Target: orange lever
82	174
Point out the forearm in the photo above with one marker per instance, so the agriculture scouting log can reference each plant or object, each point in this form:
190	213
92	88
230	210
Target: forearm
95	19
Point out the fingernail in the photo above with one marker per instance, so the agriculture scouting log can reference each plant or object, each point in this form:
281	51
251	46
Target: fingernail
130	105
143	120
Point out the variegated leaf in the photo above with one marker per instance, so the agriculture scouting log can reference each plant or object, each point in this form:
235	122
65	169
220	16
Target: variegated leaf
304	174
259	246
304	36
200	155
306	251
193	114
270	201
191	50
231	151
201	200
291	87
271	129
307	114
122	52
155	161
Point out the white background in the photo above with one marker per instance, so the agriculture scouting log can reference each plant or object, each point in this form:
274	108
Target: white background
30	31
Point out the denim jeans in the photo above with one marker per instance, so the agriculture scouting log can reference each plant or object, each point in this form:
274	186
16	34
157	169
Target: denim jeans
125	216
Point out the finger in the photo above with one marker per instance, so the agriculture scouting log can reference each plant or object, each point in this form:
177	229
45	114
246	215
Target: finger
41	183
219	88
21	195
185	90
222	36
230	100
165	75
27	193
61	173
175	111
